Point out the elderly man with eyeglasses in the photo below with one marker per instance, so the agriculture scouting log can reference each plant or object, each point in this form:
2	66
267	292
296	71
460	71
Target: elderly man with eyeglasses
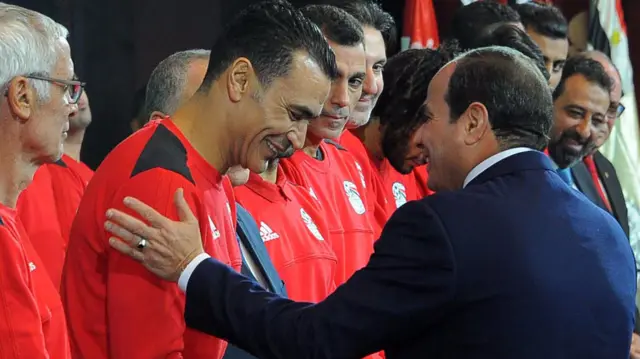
40	92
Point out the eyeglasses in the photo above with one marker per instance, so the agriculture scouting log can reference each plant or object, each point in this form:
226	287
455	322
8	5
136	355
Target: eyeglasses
616	112
72	87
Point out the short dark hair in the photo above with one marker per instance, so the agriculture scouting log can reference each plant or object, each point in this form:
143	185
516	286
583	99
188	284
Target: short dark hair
545	19
590	69
167	81
509	85
370	14
509	35
470	20
268	33
336	24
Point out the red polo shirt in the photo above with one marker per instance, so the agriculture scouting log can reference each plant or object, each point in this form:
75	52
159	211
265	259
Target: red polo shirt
339	185
293	227
115	307
47	208
32	321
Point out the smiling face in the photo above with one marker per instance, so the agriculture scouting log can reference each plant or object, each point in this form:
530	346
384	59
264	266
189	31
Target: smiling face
345	93
579	119
272	123
376	58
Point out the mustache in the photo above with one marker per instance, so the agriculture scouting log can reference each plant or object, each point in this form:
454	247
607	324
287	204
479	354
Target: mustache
338	112
573	135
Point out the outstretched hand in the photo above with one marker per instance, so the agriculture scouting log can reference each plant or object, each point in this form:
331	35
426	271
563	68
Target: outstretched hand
164	247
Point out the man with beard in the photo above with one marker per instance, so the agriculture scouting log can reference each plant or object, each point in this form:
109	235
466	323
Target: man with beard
581	103
392	149
326	168
269	73
595	176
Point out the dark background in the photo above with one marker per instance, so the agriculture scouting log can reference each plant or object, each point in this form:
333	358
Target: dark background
117	43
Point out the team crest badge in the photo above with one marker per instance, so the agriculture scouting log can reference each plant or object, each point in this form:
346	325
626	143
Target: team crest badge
311	225
399	194
354	197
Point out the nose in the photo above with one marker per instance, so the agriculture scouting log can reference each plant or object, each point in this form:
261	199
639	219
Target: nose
298	134
584	128
340	96
73	109
370	87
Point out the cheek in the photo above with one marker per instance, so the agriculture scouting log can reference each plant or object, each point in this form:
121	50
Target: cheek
380	83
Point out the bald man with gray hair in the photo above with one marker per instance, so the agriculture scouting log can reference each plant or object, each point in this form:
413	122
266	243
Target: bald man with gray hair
174	81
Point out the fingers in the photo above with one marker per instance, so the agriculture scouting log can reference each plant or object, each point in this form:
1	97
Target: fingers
184	211
127	227
151	215
124	248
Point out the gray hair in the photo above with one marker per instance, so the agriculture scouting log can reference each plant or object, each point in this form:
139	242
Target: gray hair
167	81
28	45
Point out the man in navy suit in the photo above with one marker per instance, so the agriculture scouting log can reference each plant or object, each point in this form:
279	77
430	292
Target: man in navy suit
504	261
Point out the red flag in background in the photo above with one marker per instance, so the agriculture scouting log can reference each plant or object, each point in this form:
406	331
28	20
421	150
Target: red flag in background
420	25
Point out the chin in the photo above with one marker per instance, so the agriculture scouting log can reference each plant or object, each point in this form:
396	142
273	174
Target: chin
258	166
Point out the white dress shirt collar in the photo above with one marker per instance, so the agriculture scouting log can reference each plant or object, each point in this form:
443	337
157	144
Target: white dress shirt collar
484	165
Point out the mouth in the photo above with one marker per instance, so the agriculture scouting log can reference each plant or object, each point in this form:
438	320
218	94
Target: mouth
275	149
573	145
335	117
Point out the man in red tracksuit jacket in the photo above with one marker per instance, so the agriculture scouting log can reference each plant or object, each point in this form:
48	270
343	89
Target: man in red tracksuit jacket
34	122
247	112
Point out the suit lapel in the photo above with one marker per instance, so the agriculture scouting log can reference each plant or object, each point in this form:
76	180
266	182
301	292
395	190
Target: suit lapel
249	234
585	184
611	184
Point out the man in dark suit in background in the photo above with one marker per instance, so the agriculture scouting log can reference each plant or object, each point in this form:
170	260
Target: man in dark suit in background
595	176
503	261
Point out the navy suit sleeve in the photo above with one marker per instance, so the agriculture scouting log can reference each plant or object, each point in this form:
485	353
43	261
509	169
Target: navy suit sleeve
405	287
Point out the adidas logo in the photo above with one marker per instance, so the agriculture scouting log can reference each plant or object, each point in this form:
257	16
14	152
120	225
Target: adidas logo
267	233
32	267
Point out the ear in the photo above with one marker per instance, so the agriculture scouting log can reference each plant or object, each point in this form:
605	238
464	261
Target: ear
238	78
476	123
157	115
21	98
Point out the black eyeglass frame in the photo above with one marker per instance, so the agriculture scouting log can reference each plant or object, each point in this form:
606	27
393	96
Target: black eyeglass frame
65	84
